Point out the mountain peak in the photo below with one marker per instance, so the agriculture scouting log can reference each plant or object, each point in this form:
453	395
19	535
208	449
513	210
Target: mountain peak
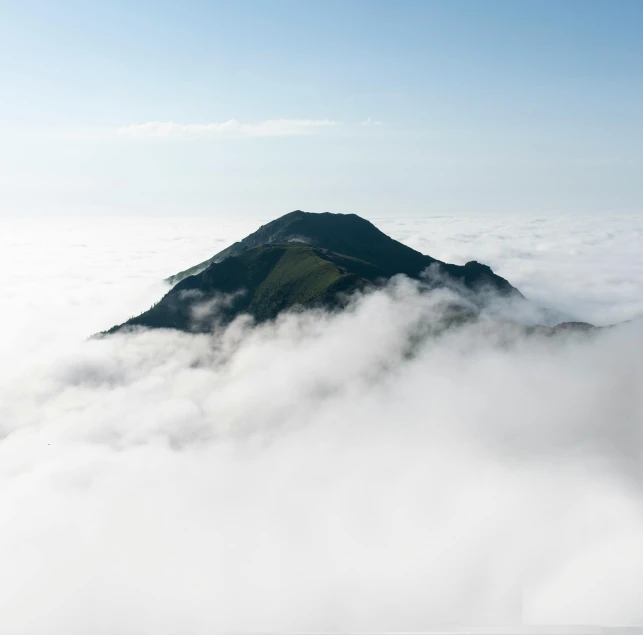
302	259
347	234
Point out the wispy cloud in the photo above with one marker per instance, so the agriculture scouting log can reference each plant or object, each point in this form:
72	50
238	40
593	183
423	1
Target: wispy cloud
371	122
231	128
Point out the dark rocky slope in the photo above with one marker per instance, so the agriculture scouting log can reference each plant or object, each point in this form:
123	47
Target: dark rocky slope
301	260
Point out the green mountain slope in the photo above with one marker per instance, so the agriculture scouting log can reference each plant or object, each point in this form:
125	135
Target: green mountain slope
299	260
342	233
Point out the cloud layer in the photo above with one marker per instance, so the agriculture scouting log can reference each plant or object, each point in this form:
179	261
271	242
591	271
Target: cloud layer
588	267
323	473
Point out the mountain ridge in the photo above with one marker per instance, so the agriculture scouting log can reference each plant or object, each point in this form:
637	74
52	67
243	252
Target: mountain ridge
341	233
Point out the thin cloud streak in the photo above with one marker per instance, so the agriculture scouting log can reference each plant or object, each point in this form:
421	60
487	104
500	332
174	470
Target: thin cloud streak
230	128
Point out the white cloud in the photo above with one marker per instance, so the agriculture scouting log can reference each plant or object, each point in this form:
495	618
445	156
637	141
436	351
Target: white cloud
588	267
231	128
371	122
309	475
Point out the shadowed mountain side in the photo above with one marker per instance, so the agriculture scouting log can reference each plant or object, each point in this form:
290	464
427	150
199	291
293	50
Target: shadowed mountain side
262	282
346	234
300	260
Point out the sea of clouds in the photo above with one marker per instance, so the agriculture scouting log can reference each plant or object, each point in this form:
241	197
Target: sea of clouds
334	473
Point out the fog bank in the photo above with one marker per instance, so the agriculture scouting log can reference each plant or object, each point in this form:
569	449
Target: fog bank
351	472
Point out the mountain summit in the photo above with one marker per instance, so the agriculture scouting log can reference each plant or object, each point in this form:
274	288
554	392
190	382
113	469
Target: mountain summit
299	260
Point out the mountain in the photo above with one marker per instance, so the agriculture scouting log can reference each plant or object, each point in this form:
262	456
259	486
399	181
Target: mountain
340	233
299	260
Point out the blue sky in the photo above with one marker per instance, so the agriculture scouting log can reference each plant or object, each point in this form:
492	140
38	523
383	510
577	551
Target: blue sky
378	108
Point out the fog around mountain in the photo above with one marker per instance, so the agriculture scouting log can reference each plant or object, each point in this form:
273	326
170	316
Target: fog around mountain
318	473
